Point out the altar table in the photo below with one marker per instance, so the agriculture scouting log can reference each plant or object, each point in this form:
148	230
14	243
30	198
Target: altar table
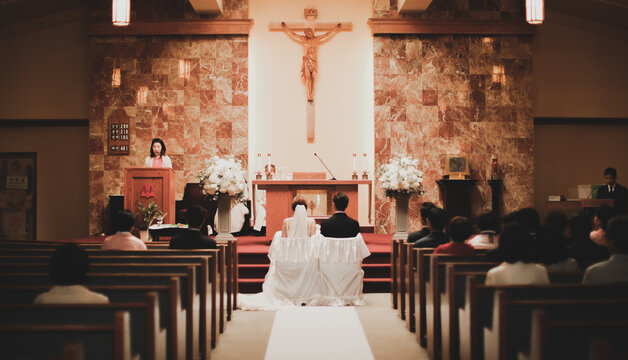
279	195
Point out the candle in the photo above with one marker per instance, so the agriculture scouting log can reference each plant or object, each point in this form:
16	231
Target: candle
364	162
494	164
259	162
355	163
269	163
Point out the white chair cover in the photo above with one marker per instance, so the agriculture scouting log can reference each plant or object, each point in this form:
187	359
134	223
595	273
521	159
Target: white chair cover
340	269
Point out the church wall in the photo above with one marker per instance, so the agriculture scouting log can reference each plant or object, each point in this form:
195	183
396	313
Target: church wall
343	91
434	95
200	117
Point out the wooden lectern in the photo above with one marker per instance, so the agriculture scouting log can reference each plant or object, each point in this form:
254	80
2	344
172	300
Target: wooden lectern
150	184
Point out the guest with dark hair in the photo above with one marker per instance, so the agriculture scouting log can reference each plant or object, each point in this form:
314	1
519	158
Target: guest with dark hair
193	238
425	230
556	222
158	157
552	251
68	267
459	229
489	226
615	269
612	190
123	221
340	225
602	216
585	251
515	249
528	218
436	220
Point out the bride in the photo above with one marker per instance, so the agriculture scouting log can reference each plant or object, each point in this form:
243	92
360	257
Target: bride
292	278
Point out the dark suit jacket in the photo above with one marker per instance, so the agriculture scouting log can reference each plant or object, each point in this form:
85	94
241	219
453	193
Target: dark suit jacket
192	239
620	194
416	235
434	239
340	225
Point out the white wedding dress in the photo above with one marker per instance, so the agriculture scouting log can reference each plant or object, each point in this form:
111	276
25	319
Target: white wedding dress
292	278
310	270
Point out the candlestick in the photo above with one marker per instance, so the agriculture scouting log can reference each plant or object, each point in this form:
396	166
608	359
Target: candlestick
494	166
355	162
364	163
259	162
269	173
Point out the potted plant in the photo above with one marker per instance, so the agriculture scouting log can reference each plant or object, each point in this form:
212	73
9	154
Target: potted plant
149	214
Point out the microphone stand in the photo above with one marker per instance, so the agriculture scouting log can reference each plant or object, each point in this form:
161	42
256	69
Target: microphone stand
322	162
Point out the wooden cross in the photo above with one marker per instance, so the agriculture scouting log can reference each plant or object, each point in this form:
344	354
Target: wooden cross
310	42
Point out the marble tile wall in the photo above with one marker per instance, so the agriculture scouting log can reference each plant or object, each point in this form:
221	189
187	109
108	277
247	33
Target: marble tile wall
436	95
198	117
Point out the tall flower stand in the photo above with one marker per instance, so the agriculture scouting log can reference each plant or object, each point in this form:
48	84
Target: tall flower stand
401	216
224	218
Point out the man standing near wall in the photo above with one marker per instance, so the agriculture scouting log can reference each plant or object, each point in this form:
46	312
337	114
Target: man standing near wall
614	191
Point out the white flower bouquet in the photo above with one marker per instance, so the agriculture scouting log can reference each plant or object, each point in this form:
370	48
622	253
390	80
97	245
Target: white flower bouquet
223	176
401	175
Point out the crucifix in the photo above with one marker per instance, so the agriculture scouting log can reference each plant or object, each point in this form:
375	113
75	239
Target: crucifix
310	42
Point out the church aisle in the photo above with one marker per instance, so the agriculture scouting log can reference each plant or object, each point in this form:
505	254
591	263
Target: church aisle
249	332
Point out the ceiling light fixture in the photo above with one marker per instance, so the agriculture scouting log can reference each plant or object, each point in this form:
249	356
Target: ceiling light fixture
121	12
535	12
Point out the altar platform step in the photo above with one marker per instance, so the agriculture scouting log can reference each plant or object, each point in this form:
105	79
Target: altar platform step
254	263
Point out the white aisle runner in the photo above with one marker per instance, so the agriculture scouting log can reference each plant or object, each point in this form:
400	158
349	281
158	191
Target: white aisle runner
317	333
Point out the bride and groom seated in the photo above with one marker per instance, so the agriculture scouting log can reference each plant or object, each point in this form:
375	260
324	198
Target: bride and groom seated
312	268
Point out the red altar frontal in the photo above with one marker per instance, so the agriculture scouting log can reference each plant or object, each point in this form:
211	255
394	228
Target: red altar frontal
279	195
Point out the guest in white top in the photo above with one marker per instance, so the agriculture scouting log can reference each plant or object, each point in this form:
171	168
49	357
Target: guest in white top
515	249
489	226
615	269
68	270
158	157
123	239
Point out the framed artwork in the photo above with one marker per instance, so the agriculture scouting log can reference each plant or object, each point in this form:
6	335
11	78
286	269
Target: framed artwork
457	166
18	190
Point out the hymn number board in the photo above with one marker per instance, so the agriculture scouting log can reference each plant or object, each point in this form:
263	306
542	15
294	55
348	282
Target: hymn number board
119	142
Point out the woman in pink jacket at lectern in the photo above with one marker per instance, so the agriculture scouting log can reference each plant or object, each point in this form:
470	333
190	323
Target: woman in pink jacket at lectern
158	157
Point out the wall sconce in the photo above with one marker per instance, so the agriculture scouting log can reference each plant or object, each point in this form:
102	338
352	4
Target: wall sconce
184	69
116	78
121	12
142	95
535	12
499	75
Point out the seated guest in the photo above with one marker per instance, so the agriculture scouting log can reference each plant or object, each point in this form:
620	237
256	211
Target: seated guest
340	225
193	238
489	225
615	269
528	218
585	251
238	213
515	249
123	221
459	229
436	220
425	230
68	266
259	226
551	251
603	214
614	191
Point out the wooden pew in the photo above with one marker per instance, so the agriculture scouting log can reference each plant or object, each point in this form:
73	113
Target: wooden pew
435	286
510	329
147	339
408	280
106	342
394	259
421	274
400	276
178	325
479	304
555	338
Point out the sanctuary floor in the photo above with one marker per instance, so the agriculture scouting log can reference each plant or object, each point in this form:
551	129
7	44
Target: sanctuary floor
248	334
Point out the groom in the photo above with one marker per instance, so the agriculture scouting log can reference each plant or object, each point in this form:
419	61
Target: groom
340	225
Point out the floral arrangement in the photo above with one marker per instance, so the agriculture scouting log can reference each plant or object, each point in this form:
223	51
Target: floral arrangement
149	213
223	176
401	175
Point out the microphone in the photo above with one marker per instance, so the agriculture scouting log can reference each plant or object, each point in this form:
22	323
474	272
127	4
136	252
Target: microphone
322	162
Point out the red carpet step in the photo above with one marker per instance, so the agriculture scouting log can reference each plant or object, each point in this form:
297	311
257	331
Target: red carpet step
253	263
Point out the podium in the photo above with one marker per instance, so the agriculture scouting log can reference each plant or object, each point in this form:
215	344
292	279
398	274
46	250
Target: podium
146	185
